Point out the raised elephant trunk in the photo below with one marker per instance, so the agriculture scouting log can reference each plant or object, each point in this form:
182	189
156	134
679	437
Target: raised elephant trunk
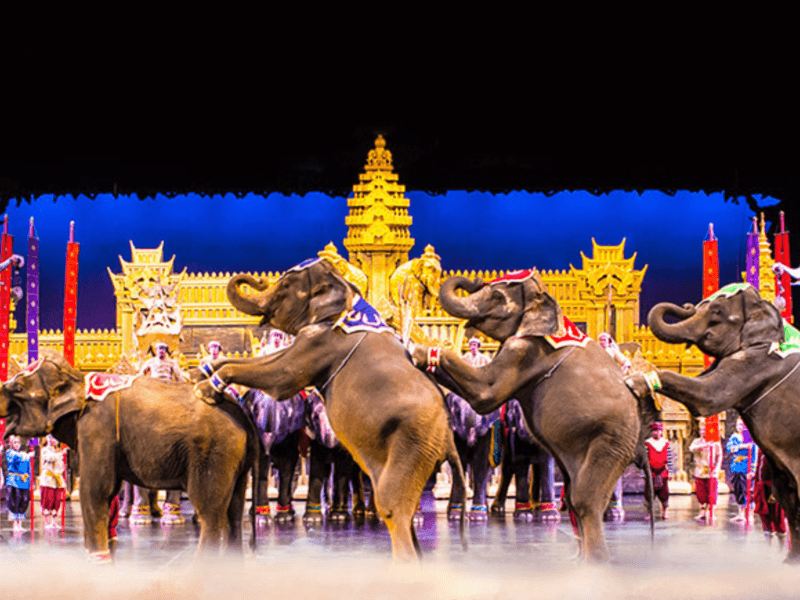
673	333
253	303
464	308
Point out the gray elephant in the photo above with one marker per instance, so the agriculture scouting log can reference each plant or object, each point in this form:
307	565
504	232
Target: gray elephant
756	371
150	432
387	414
571	391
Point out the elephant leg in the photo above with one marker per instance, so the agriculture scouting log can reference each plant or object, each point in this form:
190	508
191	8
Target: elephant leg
172	508
506	473
235	513
523	509
260	502
97	493
545	472
457	490
211	510
342	477
787	496
357	484
590	489
319	471
140	512
285	458
152	499
397	492
480	478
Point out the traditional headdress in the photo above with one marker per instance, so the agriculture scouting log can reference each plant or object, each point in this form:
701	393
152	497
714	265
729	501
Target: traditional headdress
474	340
213	343
657	426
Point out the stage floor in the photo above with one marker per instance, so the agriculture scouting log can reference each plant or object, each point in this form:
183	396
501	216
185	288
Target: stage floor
354	559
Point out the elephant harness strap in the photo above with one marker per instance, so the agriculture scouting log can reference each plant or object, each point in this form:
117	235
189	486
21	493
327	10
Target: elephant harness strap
100	385
770	390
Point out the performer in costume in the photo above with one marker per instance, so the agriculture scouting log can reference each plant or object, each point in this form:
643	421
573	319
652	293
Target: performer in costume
475	357
18	464
741	465
707	464
610	346
275	341
214	350
773	519
51	479
659	455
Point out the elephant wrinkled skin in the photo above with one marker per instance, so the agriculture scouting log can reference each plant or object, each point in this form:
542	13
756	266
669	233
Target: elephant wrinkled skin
574	399
751	373
154	434
386	413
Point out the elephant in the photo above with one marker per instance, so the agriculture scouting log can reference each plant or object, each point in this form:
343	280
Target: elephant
755	372
529	464
150	432
473	442
386	413
571	391
417	282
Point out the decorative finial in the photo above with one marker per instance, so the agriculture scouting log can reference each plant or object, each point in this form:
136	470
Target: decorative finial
711	232
30	231
783	225
762	225
71	232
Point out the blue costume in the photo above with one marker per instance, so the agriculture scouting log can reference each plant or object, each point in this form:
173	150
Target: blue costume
739	466
18	482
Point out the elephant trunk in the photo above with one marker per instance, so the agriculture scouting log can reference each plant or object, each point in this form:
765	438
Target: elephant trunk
673	333
252	303
464	308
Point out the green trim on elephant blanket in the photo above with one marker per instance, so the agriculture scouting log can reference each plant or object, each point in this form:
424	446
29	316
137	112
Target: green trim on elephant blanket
791	345
729	290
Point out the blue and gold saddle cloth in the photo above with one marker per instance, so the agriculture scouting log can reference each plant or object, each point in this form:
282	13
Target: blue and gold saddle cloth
362	317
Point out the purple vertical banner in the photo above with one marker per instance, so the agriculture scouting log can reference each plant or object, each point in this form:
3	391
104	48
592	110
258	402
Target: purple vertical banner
752	255
32	314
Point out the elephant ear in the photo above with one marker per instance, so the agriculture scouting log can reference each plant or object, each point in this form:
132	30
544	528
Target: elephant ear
763	323
329	293
542	314
67	391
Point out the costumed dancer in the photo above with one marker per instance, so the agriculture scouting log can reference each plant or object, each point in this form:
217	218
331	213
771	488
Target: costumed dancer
707	465
741	466
161	366
659	454
275	341
610	346
52	484
773	519
18	464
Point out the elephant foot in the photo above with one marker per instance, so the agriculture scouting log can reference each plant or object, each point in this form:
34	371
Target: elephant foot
313	514
454	512
547	512
141	516
172	515
498	509
284	514
339	513
523	511
359	511
479	512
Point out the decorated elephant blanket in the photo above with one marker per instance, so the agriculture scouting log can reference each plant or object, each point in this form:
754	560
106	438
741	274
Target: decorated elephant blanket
572	336
275	420
362	317
100	385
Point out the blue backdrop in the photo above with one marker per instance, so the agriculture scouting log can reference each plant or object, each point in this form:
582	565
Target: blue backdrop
468	230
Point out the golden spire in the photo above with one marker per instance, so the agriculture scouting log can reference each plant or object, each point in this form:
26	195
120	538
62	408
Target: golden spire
378	218
766	278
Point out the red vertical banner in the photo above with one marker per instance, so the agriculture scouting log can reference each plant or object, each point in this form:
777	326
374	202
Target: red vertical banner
783	282
6	250
71	296
711	285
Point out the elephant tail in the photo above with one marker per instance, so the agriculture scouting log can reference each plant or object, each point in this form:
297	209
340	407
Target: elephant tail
458	475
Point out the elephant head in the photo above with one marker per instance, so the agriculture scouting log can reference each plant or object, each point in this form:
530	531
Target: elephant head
734	318
514	305
312	292
39	395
